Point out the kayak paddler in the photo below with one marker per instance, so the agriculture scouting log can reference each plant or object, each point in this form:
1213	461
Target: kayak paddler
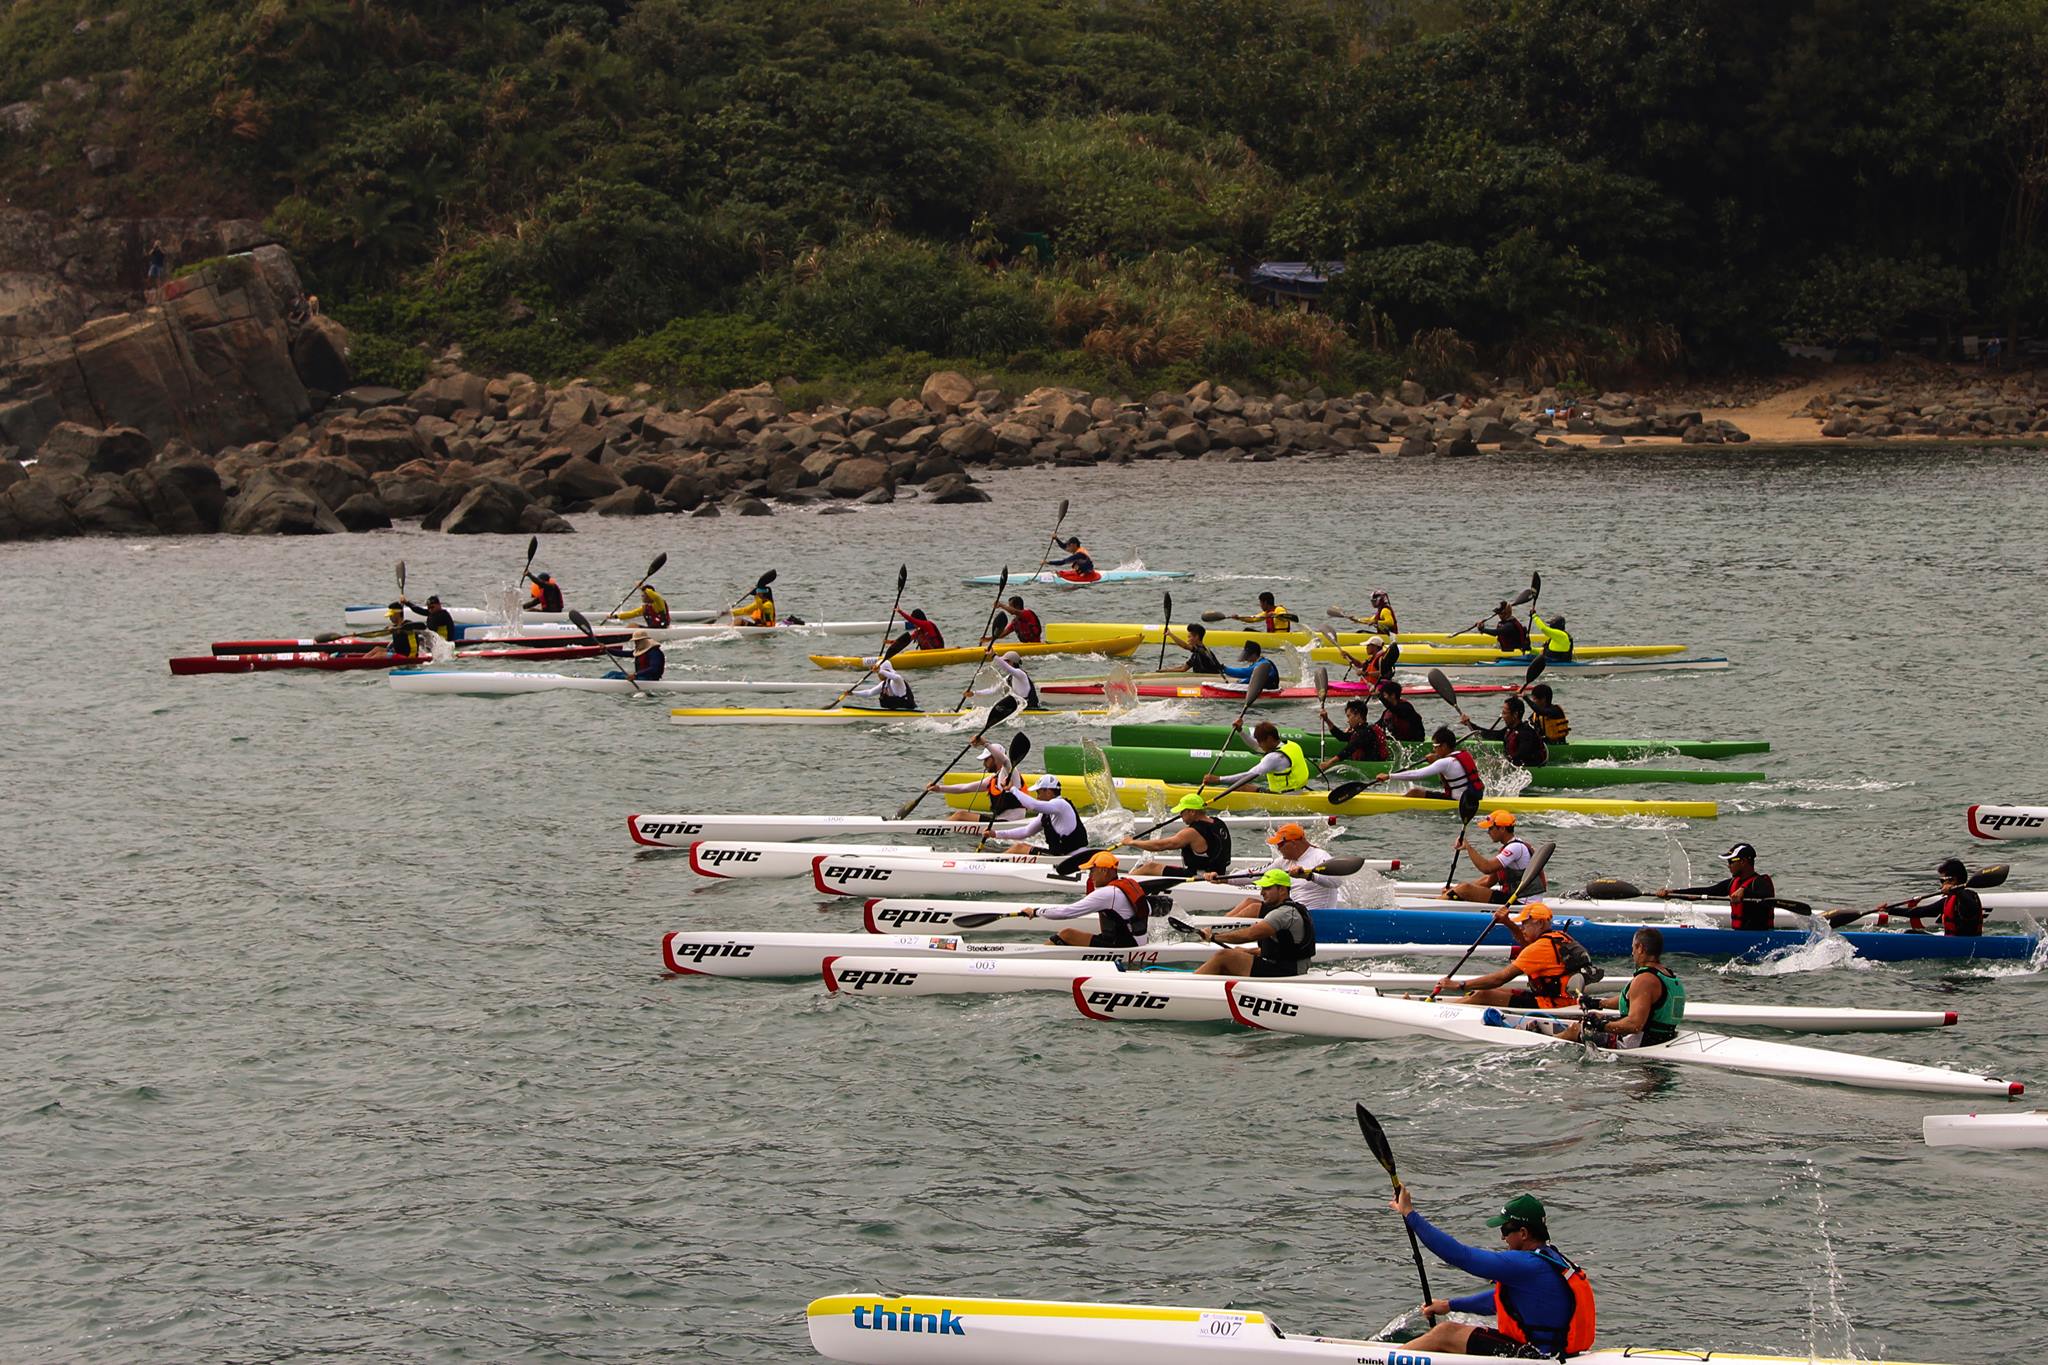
652	611
1541	1300
1023	623
1749	891
1448	764
1258	673
1382	619
996	784
1651	1008
1201	659
1284	763
1961	909
758	608
1011	680
1507	630
1270	616
1356	742
919	632
1279	942
1398	716
1499	873
890	689
1299	859
1555	966
1521	738
1054	821
649	663
1077	562
1551	638
438	619
544	594
1377	663
1550	717
1116	901
408	638
1202	841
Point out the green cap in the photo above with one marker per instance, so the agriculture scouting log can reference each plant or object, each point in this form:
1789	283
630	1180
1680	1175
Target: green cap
1192	801
1275	877
1523	1208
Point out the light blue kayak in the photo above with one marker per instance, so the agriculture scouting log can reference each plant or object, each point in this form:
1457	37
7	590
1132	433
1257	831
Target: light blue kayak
1053	578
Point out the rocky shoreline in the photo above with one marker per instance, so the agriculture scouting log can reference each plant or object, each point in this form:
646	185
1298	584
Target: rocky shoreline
222	409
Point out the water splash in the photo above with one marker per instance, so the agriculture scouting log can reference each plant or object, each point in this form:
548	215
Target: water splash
1824	949
1829	1332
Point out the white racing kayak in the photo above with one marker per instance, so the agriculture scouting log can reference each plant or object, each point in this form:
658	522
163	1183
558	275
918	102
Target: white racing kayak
887	976
464	682
366	617
2007	822
869	875
845	715
766	858
945	1329
1428	896
1354	1013
707	631
748	954
2026	1129
680	831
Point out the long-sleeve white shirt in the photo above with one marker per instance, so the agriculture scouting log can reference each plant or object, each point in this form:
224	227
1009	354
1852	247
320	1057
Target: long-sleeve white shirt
1058	812
1102	898
1316	893
1009	678
1275	762
1448	768
888	683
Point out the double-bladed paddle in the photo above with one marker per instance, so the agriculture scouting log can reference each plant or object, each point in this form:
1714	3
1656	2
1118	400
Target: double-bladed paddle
1165	627
881	650
532	549
761	585
1529	875
1522	598
995	615
653	568
1067	866
997	714
582	623
1383	1152
1615	889
1050	541
1979	880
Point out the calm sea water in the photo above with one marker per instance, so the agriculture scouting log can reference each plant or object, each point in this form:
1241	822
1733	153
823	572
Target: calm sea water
335	1020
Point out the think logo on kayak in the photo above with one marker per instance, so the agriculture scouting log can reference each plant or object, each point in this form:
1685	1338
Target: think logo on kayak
880	1319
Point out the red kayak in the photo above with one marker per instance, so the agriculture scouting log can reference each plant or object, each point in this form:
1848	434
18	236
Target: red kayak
1212	692
342	663
357	644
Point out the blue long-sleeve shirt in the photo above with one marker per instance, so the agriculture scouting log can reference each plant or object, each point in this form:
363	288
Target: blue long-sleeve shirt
1535	1286
1265	671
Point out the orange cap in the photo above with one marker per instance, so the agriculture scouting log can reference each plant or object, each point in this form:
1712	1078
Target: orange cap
1500	819
1108	859
1535	910
1286	832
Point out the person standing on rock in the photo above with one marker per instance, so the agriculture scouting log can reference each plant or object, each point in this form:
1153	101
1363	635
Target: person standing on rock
155	263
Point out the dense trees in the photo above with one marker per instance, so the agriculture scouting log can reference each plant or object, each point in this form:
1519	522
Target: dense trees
1563	183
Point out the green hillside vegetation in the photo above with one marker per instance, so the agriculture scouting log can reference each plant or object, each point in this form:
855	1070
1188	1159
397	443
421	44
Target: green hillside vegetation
700	193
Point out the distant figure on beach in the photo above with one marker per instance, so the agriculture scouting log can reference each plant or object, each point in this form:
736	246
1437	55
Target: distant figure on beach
1993	348
153	271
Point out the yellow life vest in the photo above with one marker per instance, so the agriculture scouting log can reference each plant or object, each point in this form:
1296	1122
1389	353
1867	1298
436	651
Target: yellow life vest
1297	774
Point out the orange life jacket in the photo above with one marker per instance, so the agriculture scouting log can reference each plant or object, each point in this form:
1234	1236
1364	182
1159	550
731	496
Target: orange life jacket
1578	1334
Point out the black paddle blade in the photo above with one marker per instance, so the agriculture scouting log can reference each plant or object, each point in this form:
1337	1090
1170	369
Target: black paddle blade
582	623
1213	616
1180	921
1166	609
1020	749
1340	867
1612	889
532	549
1344	791
1441	685
1069	865
1376	1139
1536	666
902	577
1535	870
1468	805
997	622
401	578
766	579
1322	684
1061	518
1994	875
976	920
654	566
1791	907
1522	598
999	713
1535	586
1002	582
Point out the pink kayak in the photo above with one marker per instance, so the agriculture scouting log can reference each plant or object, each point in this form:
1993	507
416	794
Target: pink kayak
1213	692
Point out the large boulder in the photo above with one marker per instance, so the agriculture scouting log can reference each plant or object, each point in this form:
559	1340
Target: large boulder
333	481
947	391
631	501
109	506
268	506
489	508
447	394
34	510
856	477
169	507
198	483
408	495
581	480
363	512
320	354
951	488
968	441
98	452
26	420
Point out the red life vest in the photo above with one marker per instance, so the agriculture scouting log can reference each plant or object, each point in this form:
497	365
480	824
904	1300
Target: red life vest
1743	916
1028	628
1472	778
925	633
1955	921
1135	894
1578	1334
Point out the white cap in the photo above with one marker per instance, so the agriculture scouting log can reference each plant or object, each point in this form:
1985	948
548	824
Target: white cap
1012	657
1046	783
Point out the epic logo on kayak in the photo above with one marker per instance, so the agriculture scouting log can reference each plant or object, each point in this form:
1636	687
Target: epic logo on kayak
1255	1006
2011	821
861	980
880	1319
662	829
861	874
697	952
900	918
715	856
1114	1000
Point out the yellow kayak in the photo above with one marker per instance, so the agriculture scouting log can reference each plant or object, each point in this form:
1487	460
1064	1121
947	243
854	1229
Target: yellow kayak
970	654
1219	636
842	715
1142	793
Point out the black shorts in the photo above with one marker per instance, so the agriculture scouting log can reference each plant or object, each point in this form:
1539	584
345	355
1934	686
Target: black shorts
1004	802
1120	937
1262	967
1487	1342
897	703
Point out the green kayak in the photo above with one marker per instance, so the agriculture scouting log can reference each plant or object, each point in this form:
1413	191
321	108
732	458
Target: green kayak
1188	765
1172	735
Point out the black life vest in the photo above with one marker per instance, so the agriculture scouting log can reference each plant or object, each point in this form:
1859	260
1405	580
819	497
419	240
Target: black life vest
650	665
1402	721
1962	918
1524	745
1512	636
1277	956
1201	659
1216	834
1065	843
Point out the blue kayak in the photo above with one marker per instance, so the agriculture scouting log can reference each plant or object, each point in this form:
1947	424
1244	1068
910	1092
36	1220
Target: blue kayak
1606	938
1059	578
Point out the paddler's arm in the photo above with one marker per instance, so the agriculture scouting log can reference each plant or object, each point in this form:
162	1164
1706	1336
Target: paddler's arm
1251	933
1019	832
1641	1005
1030	802
1180	839
956	788
1487	1265
1720	888
1423	773
1484	731
1499	977
1102	898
